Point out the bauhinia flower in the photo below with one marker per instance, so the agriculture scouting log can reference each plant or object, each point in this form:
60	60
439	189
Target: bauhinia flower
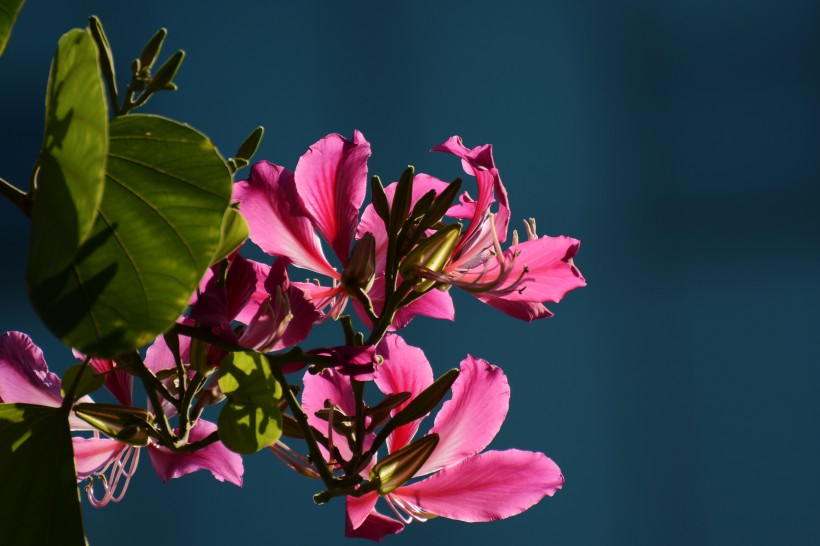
463	482
276	314
286	211
25	378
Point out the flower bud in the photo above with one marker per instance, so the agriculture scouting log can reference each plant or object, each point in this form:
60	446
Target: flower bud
361	269
122	423
397	468
432	253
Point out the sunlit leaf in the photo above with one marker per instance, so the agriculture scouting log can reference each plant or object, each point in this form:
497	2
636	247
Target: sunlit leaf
158	227
8	13
251	419
89	382
72	163
39	498
247	428
234	233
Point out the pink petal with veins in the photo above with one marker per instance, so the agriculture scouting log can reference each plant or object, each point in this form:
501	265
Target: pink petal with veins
487	487
469	421
277	221
331	179
223	464
405	369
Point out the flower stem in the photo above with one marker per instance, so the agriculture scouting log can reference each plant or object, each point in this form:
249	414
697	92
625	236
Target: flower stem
17	196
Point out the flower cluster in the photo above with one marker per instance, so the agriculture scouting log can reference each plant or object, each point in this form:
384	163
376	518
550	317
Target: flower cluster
236	345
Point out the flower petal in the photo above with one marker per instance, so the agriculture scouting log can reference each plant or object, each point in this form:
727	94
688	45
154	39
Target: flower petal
331	179
375	527
92	454
223	463
523	310
405	369
357	509
24	375
434	304
487	487
277	221
469	421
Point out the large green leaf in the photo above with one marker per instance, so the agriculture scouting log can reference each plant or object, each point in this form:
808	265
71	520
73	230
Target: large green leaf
251	418
8	13
158	227
39	498
72	163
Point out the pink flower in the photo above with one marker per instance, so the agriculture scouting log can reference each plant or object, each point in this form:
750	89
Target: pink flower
276	313
464	484
284	210
516	281
25	378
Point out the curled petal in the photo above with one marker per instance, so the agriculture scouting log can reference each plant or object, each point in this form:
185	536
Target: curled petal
224	464
469	421
24	375
331	179
434	304
375	527
487	487
357	509
277	221
92	455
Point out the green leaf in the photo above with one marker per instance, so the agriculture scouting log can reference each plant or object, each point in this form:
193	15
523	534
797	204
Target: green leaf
246	377
158	227
247	428
40	499
8	13
89	382
72	163
234	232
251	419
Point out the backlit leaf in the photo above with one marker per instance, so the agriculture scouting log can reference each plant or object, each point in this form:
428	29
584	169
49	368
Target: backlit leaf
8	13
39	498
72	163
159	225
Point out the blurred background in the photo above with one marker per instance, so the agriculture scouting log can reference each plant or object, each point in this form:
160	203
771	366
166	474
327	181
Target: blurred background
677	140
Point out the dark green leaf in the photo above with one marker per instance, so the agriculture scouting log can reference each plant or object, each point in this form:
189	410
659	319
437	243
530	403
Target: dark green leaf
158	227
234	232
39	498
89	382
106	58
8	13
72	163
247	428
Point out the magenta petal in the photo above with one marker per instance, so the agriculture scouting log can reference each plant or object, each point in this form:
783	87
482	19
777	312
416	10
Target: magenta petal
523	310
434	304
357	509
327	385
92	454
469	421
487	487
224	464
375	527
258	294
405	369
547	268
24	375
331	179
277	221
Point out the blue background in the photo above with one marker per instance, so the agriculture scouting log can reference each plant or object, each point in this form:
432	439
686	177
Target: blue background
677	140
